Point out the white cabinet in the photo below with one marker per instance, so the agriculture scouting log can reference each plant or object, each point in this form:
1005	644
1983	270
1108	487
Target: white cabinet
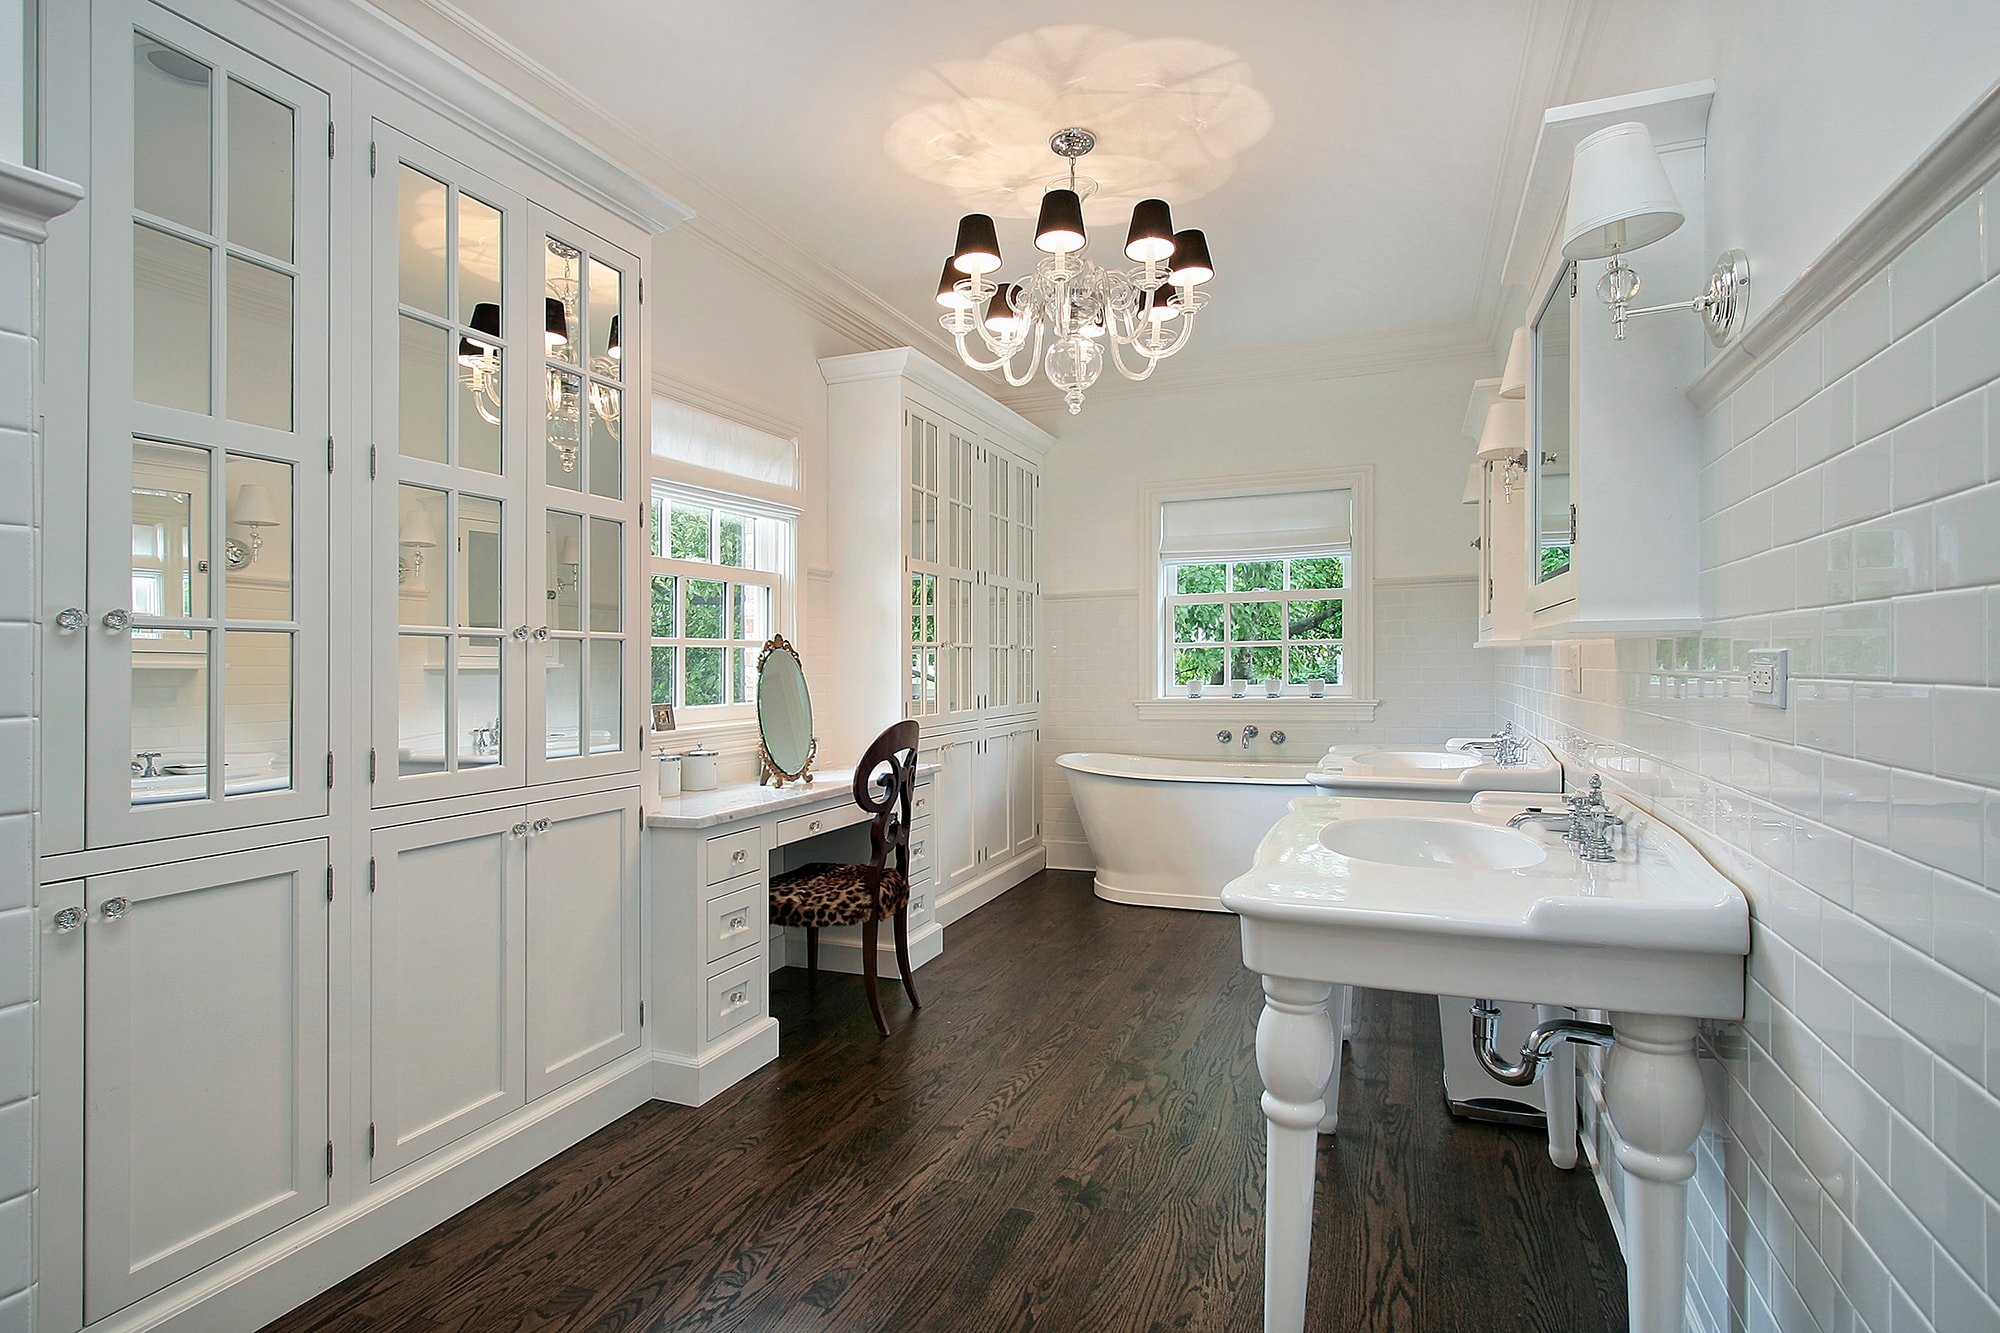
186	668
503	962
506	486
956	846
583	935
205	1049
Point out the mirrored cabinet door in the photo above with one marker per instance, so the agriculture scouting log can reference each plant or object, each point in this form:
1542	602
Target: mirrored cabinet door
453	343
1551	447
584	692
207	649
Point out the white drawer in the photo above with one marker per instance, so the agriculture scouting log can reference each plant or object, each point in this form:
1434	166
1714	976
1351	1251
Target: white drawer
735	997
735	920
920	803
922	855
733	854
922	891
800	827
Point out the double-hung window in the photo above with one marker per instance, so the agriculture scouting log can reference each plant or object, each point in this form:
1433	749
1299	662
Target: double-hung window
1261	585
718	576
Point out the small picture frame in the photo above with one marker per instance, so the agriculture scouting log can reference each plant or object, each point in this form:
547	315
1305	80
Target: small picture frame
663	717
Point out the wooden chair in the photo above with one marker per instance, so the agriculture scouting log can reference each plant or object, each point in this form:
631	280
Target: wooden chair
825	894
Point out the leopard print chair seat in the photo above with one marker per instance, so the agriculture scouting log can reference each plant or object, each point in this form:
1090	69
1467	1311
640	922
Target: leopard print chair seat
824	894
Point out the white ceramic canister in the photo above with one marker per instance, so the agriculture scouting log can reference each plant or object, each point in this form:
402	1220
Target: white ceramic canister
699	769
670	774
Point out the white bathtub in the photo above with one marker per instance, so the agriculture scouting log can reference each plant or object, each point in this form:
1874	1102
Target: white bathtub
1172	832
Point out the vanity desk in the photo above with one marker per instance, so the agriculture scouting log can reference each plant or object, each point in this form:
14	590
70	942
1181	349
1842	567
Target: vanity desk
708	861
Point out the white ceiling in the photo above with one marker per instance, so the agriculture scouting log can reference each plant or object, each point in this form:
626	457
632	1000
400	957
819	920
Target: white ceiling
1354	164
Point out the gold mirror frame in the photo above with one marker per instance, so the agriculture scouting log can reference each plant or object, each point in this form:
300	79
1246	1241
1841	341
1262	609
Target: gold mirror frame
768	771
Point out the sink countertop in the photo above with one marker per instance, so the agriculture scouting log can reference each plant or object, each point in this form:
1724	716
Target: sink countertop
1660	894
1336	771
737	801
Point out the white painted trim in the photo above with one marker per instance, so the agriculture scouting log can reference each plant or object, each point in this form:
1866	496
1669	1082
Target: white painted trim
723	403
1090	594
1298	711
975	894
1070	854
262	1281
686	1082
839	954
1964	157
1425	580
908	363
30	198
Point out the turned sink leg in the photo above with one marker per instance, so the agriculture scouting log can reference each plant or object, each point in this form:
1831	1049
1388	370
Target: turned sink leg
1559	1092
1296	1039
1653	1091
1340	1010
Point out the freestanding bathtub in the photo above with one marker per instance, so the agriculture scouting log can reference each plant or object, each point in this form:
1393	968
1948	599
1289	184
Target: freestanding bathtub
1172	832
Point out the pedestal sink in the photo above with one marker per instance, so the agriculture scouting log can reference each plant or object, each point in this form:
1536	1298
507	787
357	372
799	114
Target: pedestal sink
1448	772
1429	897
1440	760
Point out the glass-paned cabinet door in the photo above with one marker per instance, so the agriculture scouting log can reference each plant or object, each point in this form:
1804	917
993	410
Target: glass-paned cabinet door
453	344
1551	423
940	565
586	689
207	652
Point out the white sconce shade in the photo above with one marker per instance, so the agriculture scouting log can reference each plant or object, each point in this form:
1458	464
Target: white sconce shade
255	508
416	530
1514	379
1619	195
569	552
1474	483
1505	434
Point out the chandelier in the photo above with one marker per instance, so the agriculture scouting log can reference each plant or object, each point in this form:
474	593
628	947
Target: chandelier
1071	315
479	366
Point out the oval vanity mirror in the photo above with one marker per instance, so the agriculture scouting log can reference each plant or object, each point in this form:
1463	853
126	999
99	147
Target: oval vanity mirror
784	715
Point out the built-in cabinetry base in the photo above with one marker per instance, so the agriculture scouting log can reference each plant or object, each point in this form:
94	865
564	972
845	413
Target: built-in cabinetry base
694	1080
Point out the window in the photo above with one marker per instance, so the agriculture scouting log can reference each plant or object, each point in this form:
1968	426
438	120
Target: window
1260	580
718	576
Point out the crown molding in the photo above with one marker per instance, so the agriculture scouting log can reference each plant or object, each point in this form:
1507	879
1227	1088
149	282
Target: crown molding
1965	157
722	403
30	198
912	364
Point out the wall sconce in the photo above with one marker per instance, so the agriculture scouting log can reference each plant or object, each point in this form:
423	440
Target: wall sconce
1620	200
415	535
256	510
569	561
1473	484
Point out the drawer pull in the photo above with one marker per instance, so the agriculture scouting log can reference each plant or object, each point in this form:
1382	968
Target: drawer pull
737	923
739	856
916	849
814	827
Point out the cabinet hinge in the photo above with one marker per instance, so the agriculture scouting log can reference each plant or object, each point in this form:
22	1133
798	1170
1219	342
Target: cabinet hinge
371	462
642	291
329	153
371	1138
329	455
329	770
1572	525
329	883
642	1013
371	763
371	159
371	874
329	1159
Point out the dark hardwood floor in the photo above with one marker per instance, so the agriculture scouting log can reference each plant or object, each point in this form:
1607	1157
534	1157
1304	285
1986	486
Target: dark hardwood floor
1065	1137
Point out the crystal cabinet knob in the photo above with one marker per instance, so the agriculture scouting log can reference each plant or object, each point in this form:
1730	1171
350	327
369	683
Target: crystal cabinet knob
520	633
117	621
520	830
68	919
71	619
115	908
541	826
541	633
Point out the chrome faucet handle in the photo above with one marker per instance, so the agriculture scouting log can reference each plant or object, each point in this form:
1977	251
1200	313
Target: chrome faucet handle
1277	738
1224	736
145	767
1249	734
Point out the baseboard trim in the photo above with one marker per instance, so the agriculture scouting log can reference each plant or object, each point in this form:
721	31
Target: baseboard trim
1070	854
969	898
843	954
264	1280
695	1082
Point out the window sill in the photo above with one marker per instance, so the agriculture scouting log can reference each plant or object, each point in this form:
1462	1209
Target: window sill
1257	707
728	735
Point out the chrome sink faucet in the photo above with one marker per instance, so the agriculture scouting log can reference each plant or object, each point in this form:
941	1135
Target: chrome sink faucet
1588	826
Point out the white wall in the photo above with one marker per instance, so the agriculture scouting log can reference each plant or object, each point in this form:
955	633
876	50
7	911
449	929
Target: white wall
1849	1174
1431	680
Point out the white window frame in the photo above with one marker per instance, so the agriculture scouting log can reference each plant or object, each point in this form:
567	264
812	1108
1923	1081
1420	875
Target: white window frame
778	573
1354	700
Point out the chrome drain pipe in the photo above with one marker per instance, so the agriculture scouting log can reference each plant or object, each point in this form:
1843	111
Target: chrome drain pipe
1536	1050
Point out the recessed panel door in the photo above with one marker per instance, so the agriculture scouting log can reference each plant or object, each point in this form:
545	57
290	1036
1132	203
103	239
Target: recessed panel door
583	935
205	1063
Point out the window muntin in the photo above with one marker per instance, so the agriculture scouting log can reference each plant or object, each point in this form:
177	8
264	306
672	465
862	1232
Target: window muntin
716	592
1255	617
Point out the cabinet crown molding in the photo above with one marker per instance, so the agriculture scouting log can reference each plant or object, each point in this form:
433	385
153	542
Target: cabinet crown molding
30	198
953	390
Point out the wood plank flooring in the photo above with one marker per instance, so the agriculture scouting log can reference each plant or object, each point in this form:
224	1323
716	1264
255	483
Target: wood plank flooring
1066	1137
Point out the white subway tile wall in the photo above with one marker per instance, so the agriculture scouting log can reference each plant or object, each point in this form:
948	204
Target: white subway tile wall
1849	1173
18	982
1433	684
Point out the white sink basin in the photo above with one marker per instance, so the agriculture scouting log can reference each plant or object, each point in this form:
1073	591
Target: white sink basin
1422	759
1403	840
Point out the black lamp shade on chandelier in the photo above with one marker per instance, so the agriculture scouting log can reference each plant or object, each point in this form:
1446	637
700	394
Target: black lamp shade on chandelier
1161	307
1152	235
557	322
978	248
1059	229
1191	263
611	348
948	294
486	320
1001	318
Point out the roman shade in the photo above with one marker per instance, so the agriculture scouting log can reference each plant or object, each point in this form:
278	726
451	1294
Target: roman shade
716	445
1268	523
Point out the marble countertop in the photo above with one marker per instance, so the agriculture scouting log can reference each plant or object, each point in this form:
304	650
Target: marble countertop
748	800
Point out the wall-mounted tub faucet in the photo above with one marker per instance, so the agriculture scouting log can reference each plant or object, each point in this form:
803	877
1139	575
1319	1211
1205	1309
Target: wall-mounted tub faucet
1249	734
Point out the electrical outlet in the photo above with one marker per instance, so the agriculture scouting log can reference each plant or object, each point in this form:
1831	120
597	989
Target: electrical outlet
1768	676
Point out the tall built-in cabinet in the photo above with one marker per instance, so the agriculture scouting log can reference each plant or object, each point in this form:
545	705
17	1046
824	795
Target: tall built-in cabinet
341	691
935	603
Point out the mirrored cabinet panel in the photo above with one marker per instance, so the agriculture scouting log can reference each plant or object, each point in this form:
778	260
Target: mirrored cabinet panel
1551	430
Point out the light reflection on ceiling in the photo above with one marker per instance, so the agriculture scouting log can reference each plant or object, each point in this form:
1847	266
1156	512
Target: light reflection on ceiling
1172	116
